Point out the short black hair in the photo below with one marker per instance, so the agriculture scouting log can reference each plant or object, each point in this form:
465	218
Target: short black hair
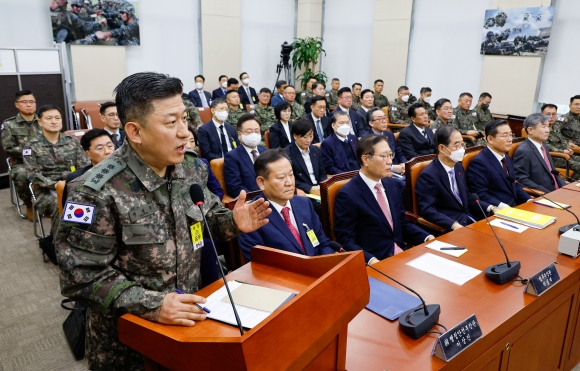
337	113
378	80
425	90
574	98
289	86
47	107
440	103
231	92
134	96
265	158
485	95
21	93
412	111
242	74
193	131
465	94
318	98
215	102
221	77
491	127
91	135
232	81
106	105
341	91
265	90
195	78
443	136
362	94
282	106
245	118
366	146
401	88
279	83
356	83
370	113
548	105
315	85
302	127
335	79
312	78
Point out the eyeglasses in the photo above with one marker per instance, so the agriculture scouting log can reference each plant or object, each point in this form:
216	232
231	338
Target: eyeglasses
390	155
382	118
505	136
112	115
457	145
26	101
100	147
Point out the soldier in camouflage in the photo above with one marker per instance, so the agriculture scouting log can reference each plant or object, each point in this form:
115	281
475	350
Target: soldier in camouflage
128	31
424	98
333	93
192	117
16	132
234	109
49	157
482	111
444	110
570	122
466	119
67	26
264	111
138	249
307	94
558	143
380	100
290	97
399	110
356	90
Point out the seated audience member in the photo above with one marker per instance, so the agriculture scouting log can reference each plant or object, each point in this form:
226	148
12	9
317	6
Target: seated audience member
378	123
292	216
222	90
306	161
239	163
192	114
482	111
317	91
281	131
356	91
466	120
333	93
444	110
213	184
112	123
264	111
532	161
308	93
321	123
280	86
380	100
558	143
424	98
344	103
399	110
232	85
487	172
442	193
339	149
417	139
247	94
235	110
216	138
369	214
290	97
198	96
367	101
48	158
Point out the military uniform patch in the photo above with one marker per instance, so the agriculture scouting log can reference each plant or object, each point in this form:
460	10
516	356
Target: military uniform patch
393	108
78	213
2	127
473	114
104	172
26	152
561	118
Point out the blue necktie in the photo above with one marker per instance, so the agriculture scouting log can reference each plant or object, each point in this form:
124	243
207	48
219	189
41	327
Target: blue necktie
453	189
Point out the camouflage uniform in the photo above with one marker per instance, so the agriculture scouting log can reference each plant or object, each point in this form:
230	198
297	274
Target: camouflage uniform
234	115
67	26
297	111
558	143
430	111
381	101
356	103
399	113
46	164
465	121
137	249
483	118
192	118
127	33
305	95
16	132
266	116
439	123
570	127
332	99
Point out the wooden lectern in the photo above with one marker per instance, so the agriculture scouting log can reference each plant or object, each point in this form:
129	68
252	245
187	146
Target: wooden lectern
307	333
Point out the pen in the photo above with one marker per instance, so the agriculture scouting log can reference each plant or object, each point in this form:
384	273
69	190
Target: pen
510	225
197	305
452	248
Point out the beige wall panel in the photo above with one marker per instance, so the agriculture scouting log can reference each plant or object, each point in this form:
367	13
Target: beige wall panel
221	48
224	8
311	12
308	29
512	82
519	3
393	9
309	1
97	70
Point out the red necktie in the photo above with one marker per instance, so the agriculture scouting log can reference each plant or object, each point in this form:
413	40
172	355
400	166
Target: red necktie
383	205
288	221
549	166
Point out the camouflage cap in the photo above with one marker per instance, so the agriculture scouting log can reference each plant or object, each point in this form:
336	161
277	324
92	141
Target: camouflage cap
78	3
127	8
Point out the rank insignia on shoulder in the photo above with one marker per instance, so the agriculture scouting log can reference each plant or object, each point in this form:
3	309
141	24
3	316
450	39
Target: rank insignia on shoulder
78	213
393	108
26	152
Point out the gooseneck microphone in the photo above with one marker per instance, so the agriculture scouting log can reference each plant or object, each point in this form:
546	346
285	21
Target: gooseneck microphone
557	173
196	194
504	272
563	228
415	322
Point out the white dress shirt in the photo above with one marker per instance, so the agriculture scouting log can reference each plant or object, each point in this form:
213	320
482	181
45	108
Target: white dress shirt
452	182
317	125
499	158
219	131
249	150
286	130
306	158
202	97
538	146
422	131
113	133
279	208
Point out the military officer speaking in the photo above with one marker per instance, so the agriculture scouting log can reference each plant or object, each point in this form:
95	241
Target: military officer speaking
127	238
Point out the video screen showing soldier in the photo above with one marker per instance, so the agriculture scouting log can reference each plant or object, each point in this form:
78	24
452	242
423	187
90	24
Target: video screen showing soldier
520	31
95	22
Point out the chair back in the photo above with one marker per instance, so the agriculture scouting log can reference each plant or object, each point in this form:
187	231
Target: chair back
515	144
59	186
267	138
204	114
413	168
470	154
329	188
89	115
396	137
77	134
386	111
524	133
217	166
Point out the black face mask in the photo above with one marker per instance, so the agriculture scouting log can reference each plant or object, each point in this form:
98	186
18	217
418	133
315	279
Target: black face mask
484	106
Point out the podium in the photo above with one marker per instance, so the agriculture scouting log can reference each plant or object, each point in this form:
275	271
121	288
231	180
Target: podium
308	332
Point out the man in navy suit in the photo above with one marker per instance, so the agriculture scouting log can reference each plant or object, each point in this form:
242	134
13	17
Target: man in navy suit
247	94
441	188
198	96
239	163
222	90
369	214
317	91
344	104
487	172
378	123
216	138
339	149
280	86
367	99
532	161
293	225
417	139
112	123
322	124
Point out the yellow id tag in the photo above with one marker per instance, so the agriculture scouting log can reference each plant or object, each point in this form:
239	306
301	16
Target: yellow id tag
73	169
196	235
312	237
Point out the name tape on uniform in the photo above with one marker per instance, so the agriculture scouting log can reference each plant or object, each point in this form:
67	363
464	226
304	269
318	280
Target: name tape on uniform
78	213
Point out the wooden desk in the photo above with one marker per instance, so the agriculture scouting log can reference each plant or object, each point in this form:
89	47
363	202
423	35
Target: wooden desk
572	187
506	314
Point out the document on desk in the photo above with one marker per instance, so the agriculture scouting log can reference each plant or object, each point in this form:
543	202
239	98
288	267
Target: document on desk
444	268
437	245
510	226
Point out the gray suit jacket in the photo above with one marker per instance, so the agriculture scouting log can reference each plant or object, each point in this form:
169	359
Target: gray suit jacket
531	169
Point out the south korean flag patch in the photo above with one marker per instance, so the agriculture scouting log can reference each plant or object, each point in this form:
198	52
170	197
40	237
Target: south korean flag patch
26	152
78	213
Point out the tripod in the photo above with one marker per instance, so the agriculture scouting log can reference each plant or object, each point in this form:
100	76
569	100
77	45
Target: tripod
284	65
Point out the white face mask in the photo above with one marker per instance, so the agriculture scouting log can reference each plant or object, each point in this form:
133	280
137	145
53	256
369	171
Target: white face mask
224	84
245	81
221	115
456	155
427	99
343	130
198	85
251	140
405	98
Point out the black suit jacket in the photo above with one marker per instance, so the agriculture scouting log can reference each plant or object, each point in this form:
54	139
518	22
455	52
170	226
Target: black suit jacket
244	99
333	156
278	137
239	172
218	93
308	109
531	169
358	126
209	140
363	115
119	143
414	144
395	148
327	131
301	174
196	99
70	177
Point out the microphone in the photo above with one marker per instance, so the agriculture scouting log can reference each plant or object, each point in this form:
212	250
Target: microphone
196	194
504	272
562	228
557	173
415	322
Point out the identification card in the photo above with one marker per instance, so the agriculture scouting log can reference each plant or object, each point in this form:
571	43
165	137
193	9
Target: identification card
311	235
196	235
73	169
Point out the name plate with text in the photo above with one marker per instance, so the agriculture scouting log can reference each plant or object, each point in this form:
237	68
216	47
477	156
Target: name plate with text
457	339
543	280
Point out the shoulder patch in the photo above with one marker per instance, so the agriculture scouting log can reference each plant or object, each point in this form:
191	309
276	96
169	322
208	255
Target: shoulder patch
2	127
78	213
452	117
328	94
393	108
26	152
561	118
103	173
252	111
474	114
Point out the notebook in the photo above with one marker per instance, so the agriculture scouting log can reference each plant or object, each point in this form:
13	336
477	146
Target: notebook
389	302
524	217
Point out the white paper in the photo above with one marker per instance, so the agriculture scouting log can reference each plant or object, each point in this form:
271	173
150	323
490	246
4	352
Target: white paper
444	268
221	311
505	224
437	245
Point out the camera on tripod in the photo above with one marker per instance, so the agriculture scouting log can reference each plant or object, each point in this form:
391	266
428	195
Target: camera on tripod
285	53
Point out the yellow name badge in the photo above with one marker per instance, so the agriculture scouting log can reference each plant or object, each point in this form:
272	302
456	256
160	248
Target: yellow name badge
196	235
73	169
312	237
234	144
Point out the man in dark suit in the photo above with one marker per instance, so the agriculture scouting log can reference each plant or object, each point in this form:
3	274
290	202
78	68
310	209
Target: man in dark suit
293	226
216	138
339	149
112	123
277	98
367	98
378	123
369	214
247	93
344	104
417	139
441	189
532	161
222	90
239	163
322	124
317	91
487	172
198	96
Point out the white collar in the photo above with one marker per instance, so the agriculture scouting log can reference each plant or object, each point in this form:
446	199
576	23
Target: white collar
315	118
447	168
369	182
340	138
538	145
342	108
366	109
217	124
307	152
418	128
113	132
497	155
279	207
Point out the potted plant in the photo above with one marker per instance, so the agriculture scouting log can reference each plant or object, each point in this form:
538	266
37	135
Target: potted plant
305	54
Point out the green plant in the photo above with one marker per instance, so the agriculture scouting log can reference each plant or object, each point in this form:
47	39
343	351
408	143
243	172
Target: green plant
305	54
